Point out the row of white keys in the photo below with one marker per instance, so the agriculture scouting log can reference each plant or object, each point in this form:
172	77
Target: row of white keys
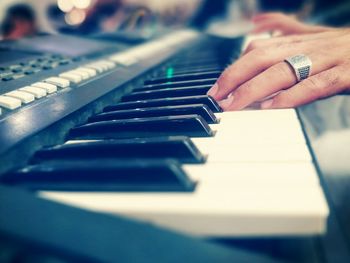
229	200
233	197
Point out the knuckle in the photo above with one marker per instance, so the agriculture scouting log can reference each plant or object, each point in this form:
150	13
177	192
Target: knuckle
313	85
324	82
254	44
260	53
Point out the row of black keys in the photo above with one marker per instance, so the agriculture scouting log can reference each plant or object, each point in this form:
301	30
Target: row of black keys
142	141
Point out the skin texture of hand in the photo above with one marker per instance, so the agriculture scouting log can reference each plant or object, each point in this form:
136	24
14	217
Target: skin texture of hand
283	24
261	75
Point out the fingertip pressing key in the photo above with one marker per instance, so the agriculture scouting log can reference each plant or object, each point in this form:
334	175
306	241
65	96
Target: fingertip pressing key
213	90
226	103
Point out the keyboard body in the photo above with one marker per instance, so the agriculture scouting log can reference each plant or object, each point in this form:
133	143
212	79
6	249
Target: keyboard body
257	176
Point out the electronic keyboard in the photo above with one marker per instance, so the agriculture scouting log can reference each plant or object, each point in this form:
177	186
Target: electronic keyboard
133	133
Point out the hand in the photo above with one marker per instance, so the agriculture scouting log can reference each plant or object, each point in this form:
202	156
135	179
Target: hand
283	25
261	72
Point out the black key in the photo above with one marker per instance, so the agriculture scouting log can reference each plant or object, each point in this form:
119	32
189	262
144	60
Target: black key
184	77
103	175
199	109
177	84
206	100
188	125
167	93
178	147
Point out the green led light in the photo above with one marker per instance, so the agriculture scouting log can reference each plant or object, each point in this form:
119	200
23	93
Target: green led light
169	72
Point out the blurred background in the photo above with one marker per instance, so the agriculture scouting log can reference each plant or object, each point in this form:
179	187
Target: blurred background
144	18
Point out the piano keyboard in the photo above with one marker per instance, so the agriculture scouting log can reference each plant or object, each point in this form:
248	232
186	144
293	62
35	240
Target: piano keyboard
168	155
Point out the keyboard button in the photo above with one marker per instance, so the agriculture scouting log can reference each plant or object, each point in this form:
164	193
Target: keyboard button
189	125
90	71
9	102
199	109
50	88
47	66
71	77
64	62
7	78
96	67
206	100
109	64
37	92
29	72
102	65
83	74
178	147
21	95
162	175
167	93
60	82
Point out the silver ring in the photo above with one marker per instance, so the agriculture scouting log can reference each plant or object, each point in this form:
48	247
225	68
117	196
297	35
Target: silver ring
301	65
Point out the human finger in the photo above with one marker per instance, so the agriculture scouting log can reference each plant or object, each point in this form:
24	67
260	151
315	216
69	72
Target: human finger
250	65
323	84
261	86
281	40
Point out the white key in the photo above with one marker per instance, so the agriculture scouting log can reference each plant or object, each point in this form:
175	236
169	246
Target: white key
81	73
37	92
21	95
275	127
50	88
92	72
60	82
71	77
10	103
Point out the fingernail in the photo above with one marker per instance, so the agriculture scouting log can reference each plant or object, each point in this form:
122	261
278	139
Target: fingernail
266	104
213	90
226	103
